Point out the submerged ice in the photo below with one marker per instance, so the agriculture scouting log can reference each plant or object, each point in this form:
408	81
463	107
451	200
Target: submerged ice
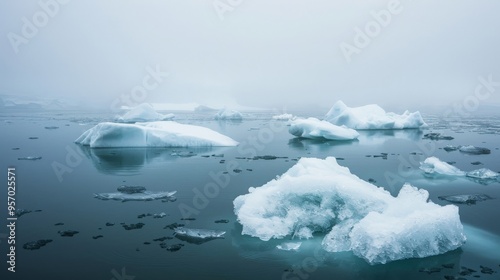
319	195
315	129
152	134
372	117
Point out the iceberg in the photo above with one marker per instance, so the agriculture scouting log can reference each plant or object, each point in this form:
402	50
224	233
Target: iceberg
226	114
153	134
465	198
313	128
284	117
483	174
289	246
143	113
199	233
141	196
318	195
433	165
474	150
372	117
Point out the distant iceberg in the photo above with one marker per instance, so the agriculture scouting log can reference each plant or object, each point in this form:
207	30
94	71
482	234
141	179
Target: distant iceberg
433	165
313	128
372	117
141	196
319	195
284	117
143	113
153	134
227	114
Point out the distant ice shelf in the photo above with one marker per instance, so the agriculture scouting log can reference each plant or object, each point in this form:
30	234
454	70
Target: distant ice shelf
372	117
152	134
319	195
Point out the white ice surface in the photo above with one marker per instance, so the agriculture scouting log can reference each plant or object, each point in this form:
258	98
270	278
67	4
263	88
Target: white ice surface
315	129
227	114
143	113
433	165
289	246
372	117
152	134
199	233
319	195
284	117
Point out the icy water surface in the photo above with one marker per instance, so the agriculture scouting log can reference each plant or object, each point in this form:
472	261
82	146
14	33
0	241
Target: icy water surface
108	239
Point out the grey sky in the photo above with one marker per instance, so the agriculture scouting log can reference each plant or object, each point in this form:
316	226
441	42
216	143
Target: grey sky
262	53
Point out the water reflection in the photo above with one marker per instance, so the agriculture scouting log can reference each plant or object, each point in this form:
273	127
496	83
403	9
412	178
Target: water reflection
378	137
129	161
317	145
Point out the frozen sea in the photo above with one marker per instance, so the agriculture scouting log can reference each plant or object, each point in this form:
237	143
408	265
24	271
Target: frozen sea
66	199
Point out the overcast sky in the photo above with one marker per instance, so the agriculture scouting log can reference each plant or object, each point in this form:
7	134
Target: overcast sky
253	52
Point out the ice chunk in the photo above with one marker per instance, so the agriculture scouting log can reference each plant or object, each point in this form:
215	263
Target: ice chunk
483	173
29	158
143	196
199	233
465	198
474	150
315	129
35	245
319	195
450	148
284	117
153	134
437	136
289	246
410	227
143	113
227	114
433	165
372	117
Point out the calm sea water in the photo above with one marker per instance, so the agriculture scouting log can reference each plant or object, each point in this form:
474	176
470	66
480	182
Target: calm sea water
121	254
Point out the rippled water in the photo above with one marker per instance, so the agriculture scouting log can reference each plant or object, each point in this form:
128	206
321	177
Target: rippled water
68	199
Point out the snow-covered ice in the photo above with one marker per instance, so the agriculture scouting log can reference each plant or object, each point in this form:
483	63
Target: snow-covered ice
433	165
319	195
152	134
284	117
289	246
141	196
372	117
316	129
199	233
143	113
227	114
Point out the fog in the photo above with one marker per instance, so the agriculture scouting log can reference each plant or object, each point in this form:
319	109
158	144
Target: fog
254	53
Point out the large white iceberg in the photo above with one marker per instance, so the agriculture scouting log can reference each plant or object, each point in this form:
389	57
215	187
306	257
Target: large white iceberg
433	165
143	113
372	117
153	134
319	195
315	129
227	114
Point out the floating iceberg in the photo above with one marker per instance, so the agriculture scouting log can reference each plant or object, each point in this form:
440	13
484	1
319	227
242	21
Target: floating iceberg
321	196
474	150
143	113
289	246
141	196
465	198
315	129
372	117
284	117
197	236
483	173
433	165
226	114
153	134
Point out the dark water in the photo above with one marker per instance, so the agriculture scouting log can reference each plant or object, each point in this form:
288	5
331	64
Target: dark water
120	254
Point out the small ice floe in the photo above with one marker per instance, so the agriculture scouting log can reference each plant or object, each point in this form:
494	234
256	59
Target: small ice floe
474	150
133	226
29	158
284	117
450	148
267	157
465	198
313	128
227	114
35	245
483	173
159	215
183	154
433	165
20	212
51	127
134	193
437	136
197	236
289	246
67	233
